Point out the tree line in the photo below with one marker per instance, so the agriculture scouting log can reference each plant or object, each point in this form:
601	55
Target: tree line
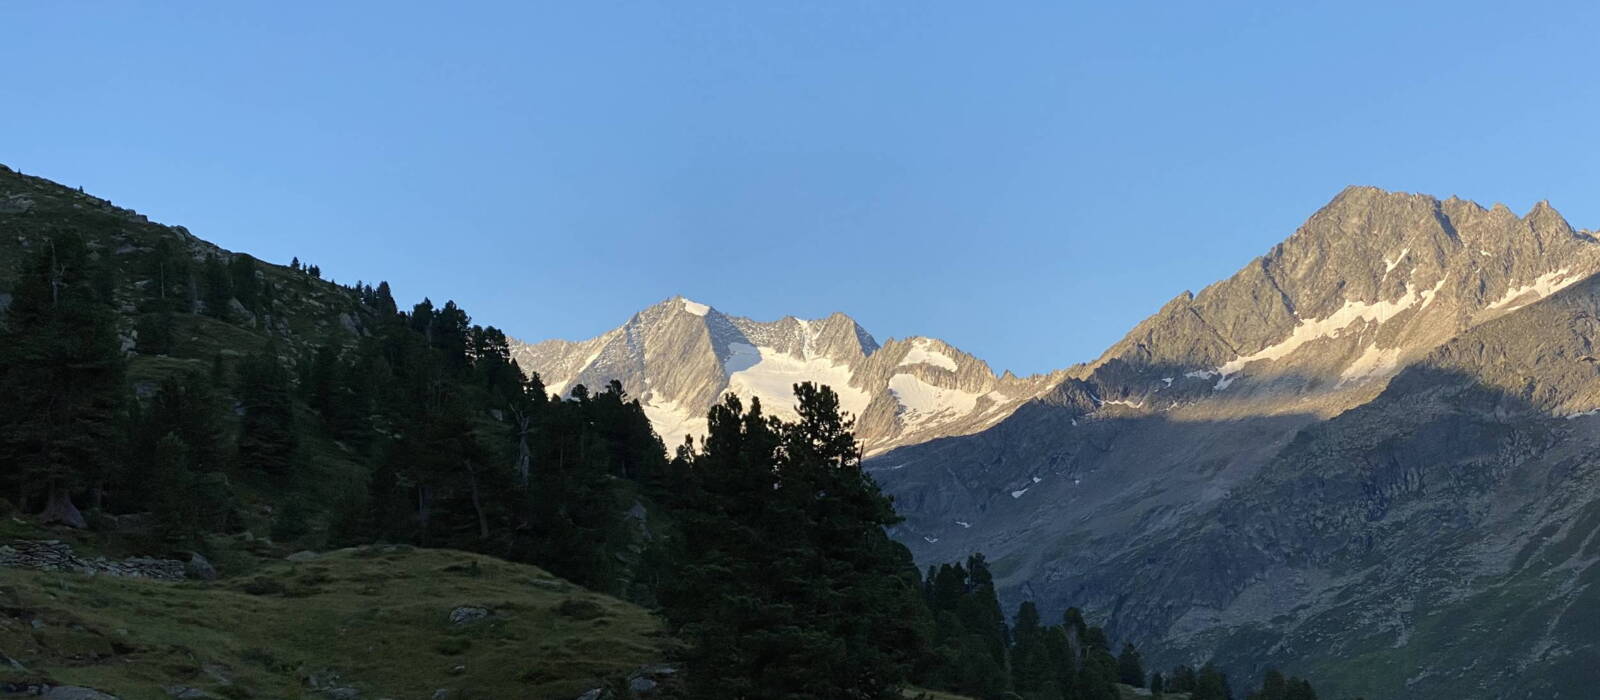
763	545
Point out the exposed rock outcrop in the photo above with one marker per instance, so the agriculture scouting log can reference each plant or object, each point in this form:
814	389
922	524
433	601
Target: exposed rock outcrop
1363	443
679	357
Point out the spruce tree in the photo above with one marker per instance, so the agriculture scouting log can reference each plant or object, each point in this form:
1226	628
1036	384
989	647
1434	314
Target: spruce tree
269	441
218	285
1130	666
1030	661
788	586
61	371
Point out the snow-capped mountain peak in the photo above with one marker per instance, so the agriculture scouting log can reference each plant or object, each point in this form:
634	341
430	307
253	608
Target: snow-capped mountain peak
680	356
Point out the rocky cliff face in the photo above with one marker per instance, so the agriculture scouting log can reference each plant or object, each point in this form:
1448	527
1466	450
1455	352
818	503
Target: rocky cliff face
679	357
1367	455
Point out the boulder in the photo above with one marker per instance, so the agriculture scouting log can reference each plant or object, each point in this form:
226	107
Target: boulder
72	692
180	692
199	568
467	614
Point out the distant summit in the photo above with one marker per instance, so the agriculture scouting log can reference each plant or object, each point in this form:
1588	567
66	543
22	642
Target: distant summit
680	356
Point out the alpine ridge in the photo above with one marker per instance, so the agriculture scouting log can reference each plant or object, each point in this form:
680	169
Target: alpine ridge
1364	444
680	356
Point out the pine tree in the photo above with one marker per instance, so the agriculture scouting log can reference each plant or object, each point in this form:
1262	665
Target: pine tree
1211	684
269	441
788	586
172	488
1130	667
1273	685
218	287
61	371
1182	680
242	279
1030	662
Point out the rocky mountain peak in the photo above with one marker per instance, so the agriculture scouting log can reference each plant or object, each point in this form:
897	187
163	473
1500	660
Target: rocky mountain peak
1387	420
680	356
1370	281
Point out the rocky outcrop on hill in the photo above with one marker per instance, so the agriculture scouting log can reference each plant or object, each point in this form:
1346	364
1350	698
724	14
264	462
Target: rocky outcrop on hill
54	555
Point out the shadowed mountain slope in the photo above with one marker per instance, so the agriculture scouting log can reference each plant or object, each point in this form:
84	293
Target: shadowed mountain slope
1319	461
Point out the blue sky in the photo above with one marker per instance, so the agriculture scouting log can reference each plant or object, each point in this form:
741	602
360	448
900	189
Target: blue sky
1025	180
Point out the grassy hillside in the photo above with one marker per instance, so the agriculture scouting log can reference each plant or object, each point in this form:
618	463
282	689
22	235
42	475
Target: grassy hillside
375	619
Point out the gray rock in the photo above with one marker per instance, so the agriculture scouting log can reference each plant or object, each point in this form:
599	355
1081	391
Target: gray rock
199	568
302	556
641	685
180	692
15	204
467	614
1362	429
71	692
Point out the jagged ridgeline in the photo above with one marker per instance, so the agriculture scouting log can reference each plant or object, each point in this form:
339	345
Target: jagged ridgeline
1370	456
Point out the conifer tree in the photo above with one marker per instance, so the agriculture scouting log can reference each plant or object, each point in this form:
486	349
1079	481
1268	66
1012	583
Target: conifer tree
1030	662
1130	666
1211	684
242	271
788	586
218	286
268	439
61	371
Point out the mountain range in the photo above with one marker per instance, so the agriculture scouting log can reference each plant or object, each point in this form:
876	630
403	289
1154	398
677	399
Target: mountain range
1368	455
679	357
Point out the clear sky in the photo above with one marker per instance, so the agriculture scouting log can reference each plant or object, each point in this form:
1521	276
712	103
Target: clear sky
1024	180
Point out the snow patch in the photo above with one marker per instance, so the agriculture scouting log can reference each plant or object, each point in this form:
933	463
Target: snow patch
1582	414
672	421
963	523
923	353
1037	480
930	540
1168	380
1200	374
1390	265
1018	493
1373	361
923	402
770	375
559	388
695	308
1331	327
1545	285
